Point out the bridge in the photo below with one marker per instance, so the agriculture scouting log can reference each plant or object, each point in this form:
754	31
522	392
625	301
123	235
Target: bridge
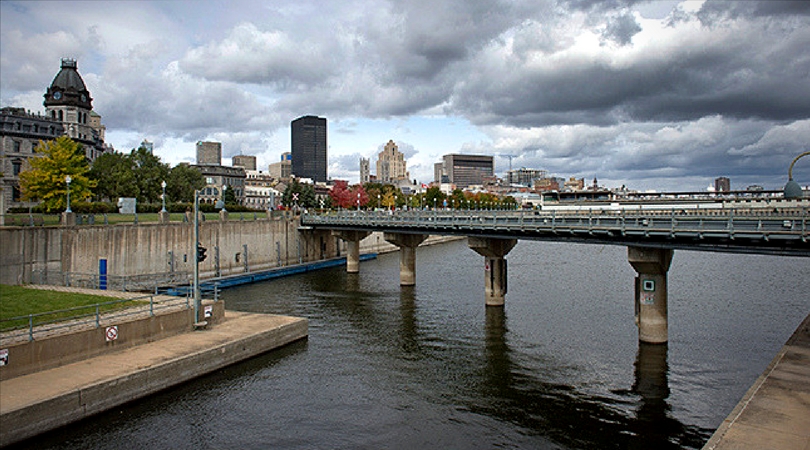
651	235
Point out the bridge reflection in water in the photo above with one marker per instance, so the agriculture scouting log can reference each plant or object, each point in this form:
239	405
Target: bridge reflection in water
651	236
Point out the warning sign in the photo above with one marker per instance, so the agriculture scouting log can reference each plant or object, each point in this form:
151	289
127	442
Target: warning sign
111	333
208	310
647	298
3	356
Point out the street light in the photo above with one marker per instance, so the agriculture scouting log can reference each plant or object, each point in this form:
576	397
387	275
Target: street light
68	180
163	197
792	189
223	197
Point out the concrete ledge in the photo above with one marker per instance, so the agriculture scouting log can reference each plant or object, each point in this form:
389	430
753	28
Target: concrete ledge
68	347
42	401
775	412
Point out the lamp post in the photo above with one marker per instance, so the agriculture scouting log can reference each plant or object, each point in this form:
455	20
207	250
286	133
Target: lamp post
792	189
224	186
163	196
68	180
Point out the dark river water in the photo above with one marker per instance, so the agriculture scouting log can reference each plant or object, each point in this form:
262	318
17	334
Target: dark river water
560	366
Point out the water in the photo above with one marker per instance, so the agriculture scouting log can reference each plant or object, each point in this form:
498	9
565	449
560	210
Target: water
431	367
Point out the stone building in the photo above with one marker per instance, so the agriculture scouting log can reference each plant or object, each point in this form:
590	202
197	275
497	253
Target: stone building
68	111
209	153
283	169
246	161
365	170
391	166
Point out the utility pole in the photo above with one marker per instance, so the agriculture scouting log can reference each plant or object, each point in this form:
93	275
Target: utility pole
195	253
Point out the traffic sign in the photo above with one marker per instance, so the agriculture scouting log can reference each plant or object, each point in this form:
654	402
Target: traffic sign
111	333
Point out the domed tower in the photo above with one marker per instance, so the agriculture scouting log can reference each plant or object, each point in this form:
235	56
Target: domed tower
68	101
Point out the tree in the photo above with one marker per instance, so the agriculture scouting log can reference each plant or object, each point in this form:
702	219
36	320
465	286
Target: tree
359	195
149	173
434	196
114	174
183	180
305	197
340	194
228	196
46	181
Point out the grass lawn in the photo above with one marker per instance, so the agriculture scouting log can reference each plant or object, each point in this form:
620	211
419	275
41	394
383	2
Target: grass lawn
18	301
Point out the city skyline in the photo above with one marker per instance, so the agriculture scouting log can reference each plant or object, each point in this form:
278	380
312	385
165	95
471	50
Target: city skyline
652	95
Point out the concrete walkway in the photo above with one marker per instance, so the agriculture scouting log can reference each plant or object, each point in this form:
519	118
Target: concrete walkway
775	412
42	401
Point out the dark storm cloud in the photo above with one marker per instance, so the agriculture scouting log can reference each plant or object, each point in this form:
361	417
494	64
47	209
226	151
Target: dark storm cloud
621	29
750	71
716	11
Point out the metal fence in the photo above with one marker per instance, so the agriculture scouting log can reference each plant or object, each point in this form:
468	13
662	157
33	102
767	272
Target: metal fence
50	322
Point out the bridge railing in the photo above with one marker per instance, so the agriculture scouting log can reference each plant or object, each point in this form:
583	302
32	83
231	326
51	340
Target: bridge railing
789	224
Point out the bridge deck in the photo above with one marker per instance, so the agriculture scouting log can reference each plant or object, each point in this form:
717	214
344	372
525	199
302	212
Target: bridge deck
781	232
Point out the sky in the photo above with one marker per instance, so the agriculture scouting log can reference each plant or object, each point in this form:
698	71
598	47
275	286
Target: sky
651	95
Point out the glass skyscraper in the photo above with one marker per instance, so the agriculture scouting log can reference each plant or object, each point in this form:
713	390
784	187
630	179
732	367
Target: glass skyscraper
309	148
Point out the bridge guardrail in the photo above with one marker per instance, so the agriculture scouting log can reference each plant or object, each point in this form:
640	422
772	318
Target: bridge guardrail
754	225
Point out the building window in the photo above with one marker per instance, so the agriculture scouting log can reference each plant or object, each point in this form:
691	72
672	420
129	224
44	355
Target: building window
15	193
16	167
16	146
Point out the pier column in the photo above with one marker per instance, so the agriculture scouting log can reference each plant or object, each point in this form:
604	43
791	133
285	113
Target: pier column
407	244
352	238
493	251
652	265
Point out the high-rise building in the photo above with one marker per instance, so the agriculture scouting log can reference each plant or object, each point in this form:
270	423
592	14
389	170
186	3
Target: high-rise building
209	153
391	165
524	176
365	170
722	184
309	148
283	168
246	161
467	170
149	146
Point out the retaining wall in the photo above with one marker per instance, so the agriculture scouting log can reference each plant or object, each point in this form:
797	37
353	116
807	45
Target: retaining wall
60	349
233	246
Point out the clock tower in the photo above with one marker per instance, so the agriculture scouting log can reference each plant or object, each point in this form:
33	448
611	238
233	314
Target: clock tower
67	100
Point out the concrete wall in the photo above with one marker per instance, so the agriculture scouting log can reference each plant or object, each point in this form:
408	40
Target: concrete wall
155	248
55	351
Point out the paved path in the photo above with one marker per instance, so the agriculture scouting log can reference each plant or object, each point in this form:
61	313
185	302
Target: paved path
775	412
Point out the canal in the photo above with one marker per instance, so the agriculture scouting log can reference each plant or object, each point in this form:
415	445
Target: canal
560	367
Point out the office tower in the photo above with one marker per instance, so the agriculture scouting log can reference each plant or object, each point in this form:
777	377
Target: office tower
309	148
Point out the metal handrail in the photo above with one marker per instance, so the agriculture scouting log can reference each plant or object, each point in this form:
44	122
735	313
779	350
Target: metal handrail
32	327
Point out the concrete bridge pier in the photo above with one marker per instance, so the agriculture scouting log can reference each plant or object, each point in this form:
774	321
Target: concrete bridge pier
352	239
652	265
407	244
493	251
